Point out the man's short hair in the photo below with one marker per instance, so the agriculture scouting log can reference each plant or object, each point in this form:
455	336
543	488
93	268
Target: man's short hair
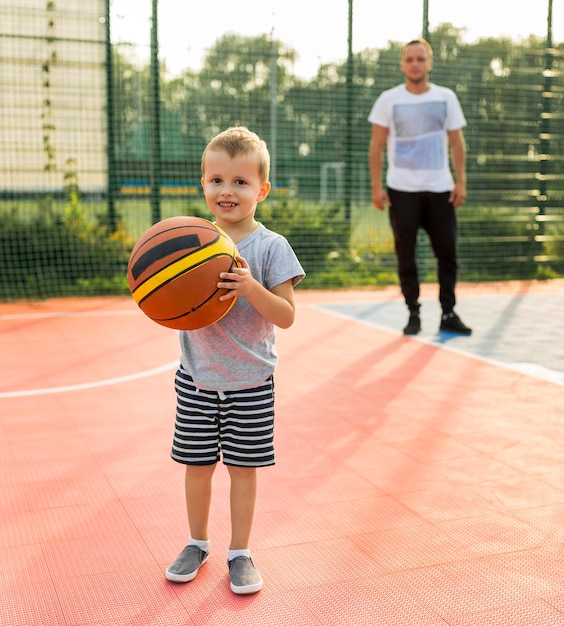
422	42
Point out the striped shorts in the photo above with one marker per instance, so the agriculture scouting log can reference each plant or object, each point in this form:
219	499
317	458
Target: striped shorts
236	424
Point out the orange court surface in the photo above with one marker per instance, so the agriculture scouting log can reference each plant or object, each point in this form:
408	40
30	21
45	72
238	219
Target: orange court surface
419	481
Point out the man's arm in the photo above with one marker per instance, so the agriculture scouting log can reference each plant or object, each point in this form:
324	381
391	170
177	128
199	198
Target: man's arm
458	158
378	142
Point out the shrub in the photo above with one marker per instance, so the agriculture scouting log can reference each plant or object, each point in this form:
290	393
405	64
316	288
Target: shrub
57	254
319	235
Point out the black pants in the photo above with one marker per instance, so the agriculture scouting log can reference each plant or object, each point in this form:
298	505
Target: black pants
435	214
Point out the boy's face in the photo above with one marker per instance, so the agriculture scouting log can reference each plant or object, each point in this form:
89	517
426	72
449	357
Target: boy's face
232	186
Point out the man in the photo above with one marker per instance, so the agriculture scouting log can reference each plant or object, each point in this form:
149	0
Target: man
418	121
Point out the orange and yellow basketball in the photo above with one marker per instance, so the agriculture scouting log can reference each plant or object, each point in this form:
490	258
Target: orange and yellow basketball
174	269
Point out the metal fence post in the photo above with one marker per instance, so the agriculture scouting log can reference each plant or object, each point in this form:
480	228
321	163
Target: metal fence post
425	29
110	114
155	124
349	115
545	137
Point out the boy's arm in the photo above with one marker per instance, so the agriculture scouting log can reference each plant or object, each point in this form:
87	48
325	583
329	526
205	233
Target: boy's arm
281	311
277	306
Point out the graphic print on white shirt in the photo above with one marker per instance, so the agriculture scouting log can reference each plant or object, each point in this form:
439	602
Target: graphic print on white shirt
418	151
420	141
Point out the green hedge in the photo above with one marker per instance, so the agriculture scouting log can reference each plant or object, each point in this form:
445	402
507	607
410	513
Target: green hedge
55	254
61	250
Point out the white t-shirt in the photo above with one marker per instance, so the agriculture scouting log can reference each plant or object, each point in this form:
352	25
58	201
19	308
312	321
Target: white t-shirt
238	352
418	151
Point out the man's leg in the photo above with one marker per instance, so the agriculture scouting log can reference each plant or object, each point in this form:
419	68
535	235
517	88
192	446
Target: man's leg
441	225
405	219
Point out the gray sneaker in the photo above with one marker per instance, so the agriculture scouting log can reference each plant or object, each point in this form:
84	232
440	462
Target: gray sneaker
244	576
186	565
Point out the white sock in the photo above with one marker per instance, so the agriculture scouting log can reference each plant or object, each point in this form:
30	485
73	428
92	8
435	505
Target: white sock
233	554
203	545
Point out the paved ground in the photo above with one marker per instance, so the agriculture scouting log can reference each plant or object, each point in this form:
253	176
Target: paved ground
417	482
523	330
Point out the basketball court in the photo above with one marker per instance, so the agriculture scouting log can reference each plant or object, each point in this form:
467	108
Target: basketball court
418	480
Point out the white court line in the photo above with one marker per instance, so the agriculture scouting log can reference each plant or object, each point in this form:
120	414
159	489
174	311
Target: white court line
81	386
528	369
91	385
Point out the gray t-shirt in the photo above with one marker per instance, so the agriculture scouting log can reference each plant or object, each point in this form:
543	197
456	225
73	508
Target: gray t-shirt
238	352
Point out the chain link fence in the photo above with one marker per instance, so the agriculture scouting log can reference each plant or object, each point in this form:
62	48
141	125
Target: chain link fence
101	135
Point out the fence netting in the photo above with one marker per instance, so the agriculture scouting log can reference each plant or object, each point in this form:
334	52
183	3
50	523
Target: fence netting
104	116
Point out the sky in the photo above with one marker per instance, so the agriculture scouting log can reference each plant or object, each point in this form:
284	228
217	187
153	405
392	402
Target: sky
317	31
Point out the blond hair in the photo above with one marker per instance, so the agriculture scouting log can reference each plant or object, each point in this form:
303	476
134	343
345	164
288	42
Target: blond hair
239	140
422	42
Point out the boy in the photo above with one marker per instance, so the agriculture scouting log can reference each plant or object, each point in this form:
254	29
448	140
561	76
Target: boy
225	386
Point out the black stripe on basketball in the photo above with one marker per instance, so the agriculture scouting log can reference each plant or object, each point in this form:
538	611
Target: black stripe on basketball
164	283
195	308
163	249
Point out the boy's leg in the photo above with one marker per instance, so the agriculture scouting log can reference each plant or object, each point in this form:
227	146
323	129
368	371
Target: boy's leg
243	497
198	486
196	445
244	576
247	442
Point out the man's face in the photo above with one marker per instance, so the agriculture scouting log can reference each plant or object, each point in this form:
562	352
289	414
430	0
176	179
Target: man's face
415	63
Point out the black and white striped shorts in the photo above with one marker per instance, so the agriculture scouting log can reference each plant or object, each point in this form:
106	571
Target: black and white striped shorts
237	424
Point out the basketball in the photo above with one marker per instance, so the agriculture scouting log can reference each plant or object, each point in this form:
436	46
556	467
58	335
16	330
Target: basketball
173	272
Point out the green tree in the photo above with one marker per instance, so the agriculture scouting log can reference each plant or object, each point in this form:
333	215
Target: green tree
131	123
235	82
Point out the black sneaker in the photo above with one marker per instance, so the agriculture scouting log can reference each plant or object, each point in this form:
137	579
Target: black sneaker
413	325
453	324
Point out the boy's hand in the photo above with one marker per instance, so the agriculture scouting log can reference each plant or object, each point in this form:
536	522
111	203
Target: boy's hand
239	281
